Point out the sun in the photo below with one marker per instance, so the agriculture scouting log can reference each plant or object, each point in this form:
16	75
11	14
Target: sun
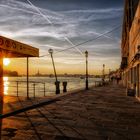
6	61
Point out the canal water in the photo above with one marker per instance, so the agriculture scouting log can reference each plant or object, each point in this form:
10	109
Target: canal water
10	85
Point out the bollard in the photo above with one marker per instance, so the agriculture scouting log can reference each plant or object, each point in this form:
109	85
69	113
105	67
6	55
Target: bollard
65	86
57	84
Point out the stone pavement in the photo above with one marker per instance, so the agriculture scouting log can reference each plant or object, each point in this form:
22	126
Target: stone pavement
101	113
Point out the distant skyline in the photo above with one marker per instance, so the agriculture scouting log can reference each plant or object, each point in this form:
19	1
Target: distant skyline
60	24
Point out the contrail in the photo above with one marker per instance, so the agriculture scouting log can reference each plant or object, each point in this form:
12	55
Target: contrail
46	18
115	28
66	38
105	36
74	45
19	9
31	12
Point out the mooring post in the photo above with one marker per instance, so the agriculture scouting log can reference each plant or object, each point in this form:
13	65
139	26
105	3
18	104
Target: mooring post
17	88
1	93
65	86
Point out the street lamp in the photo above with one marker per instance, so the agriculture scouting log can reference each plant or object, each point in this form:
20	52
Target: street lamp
103	78
86	55
57	83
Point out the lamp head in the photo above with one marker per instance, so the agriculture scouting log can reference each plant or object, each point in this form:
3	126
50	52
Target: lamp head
86	53
50	51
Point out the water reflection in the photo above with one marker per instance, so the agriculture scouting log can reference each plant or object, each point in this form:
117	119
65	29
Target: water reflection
6	84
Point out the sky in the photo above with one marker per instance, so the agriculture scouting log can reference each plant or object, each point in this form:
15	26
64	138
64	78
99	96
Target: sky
61	24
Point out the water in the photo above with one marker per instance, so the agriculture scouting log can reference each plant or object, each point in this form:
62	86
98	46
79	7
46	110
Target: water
10	85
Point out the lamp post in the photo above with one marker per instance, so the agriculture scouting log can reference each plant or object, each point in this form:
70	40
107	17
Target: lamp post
103	78
103	70
56	81
86	55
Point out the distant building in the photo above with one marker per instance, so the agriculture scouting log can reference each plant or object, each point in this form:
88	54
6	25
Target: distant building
10	73
38	73
130	46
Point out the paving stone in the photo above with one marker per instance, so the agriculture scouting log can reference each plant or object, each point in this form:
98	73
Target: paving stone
102	113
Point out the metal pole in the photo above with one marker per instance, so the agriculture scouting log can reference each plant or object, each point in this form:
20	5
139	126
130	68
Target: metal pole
86	53
103	79
1	93
54	67
57	83
17	88
27	77
103	70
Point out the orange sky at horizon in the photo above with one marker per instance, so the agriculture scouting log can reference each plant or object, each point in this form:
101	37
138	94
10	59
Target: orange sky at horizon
45	67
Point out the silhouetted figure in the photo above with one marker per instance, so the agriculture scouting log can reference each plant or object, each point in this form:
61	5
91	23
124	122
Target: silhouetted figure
112	78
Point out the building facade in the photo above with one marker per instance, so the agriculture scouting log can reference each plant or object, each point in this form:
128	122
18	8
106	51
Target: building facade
130	46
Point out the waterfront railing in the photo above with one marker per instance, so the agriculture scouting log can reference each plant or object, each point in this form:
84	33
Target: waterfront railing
40	89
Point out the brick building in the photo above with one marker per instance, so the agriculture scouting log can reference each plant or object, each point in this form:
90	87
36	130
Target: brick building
130	46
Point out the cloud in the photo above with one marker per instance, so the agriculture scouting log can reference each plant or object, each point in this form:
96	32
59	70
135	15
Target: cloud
20	21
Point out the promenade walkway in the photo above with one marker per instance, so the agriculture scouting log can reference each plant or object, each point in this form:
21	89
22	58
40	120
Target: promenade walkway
102	113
